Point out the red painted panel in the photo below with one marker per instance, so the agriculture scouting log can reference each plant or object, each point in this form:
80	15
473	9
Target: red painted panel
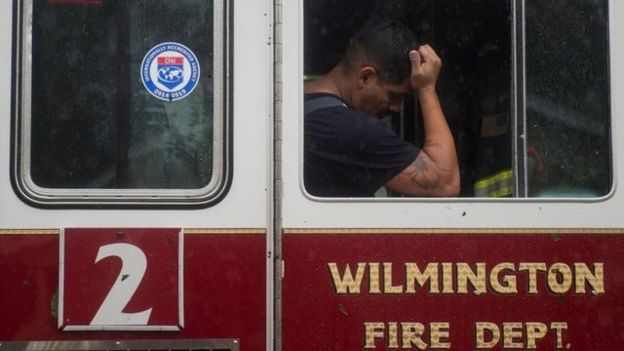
225	295
87	283
317	317
29	277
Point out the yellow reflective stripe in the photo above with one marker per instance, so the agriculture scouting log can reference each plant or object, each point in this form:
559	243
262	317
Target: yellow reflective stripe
501	192
493	179
497	185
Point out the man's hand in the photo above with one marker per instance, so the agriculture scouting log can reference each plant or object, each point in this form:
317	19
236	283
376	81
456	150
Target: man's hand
425	68
435	171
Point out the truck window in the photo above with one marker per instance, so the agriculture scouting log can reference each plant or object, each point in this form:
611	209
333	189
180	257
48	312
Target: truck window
567	99
526	98
122	99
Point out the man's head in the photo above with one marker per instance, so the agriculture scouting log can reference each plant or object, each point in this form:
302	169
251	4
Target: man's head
377	59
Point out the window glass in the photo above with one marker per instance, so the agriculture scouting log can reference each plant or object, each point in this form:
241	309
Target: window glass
123	94
526	97
473	39
567	98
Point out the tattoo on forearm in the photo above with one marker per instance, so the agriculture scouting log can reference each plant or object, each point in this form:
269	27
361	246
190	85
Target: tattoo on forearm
425	173
422	175
420	164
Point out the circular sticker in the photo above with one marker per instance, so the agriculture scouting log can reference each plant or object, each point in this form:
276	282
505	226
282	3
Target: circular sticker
170	71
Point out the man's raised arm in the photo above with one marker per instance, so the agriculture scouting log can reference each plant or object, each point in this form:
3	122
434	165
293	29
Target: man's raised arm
435	171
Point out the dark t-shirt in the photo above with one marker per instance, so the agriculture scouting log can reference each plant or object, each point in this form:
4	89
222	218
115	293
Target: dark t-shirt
349	153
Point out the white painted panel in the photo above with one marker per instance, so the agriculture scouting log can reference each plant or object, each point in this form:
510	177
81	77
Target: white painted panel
245	205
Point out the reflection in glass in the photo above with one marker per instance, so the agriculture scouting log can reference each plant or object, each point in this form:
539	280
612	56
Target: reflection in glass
93	123
567	100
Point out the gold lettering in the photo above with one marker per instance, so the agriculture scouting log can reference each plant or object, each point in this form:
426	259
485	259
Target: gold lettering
393	335
439	335
532	268
372	332
510	331
373	278
562	270
534	332
465	274
447	278
509	282
388	287
471	278
481	329
412	335
414	275
596	279
559	328
346	284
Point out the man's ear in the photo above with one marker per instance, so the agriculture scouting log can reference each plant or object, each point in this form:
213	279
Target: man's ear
366	75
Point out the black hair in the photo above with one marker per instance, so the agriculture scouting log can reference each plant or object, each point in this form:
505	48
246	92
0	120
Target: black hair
384	45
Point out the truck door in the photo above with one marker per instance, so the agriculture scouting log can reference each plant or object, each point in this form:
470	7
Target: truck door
138	201
527	257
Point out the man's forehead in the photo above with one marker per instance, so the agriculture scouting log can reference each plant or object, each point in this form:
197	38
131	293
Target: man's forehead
404	88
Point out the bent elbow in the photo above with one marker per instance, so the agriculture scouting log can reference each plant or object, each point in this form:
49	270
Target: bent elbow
453	190
449	191
451	187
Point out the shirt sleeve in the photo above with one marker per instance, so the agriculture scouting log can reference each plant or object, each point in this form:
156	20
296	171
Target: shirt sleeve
376	153
348	153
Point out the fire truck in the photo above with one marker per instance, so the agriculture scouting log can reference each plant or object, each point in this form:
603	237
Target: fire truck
152	193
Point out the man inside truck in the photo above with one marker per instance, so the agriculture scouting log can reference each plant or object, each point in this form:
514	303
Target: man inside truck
349	151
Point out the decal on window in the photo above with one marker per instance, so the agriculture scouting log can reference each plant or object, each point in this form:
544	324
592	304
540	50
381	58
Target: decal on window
170	71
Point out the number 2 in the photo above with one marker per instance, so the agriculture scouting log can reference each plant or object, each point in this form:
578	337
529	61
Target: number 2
133	266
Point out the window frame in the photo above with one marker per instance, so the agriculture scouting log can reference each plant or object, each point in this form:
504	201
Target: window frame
38	196
518	118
